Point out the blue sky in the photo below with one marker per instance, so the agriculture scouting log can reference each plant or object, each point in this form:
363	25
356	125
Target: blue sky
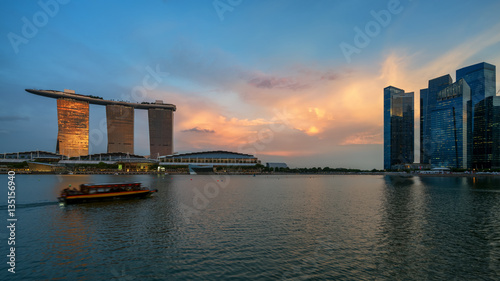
268	77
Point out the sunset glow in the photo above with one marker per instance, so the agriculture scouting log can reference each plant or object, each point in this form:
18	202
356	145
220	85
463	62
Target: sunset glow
269	79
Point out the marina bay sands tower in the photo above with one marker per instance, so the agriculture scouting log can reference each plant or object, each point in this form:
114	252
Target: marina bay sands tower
73	123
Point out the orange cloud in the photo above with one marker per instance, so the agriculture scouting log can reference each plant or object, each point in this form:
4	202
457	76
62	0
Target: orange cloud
286	153
326	112
364	138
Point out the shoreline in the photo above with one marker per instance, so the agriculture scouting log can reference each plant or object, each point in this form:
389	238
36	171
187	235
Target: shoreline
401	174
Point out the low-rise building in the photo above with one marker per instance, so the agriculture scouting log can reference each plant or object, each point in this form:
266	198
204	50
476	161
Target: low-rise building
209	158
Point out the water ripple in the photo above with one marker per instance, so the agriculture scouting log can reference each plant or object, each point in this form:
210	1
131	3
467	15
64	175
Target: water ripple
265	228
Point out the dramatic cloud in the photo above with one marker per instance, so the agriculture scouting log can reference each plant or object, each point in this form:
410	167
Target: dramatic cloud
365	138
332	112
276	82
198	130
299	79
284	94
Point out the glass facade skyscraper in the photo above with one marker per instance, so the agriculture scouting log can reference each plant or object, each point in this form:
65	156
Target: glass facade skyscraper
451	122
428	99
486	151
398	127
424	95
481	78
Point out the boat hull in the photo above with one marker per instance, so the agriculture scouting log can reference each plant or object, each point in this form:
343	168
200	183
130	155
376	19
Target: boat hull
88	198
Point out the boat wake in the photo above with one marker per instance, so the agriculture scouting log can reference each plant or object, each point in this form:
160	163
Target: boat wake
30	205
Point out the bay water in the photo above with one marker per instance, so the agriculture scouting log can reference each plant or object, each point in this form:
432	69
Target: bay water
241	227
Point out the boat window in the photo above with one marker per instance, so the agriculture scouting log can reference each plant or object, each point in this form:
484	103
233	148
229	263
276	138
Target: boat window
91	191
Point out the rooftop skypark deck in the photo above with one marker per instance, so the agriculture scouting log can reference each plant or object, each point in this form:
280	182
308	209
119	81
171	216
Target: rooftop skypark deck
98	100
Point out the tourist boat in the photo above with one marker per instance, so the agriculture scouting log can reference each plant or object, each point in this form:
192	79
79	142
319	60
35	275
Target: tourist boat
104	192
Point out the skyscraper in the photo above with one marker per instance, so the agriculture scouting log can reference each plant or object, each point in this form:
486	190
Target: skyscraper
120	125
481	78
160	131
398	127
73	127
427	103
459	122
424	96
486	144
451	122
73	120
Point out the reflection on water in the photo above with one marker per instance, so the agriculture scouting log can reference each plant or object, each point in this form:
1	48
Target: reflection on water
264	227
438	227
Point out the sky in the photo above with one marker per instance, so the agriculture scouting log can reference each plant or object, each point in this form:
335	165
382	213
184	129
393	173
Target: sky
290	81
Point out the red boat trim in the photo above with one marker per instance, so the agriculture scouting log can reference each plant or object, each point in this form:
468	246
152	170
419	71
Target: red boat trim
108	194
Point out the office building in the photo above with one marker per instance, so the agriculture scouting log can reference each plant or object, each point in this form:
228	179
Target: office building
459	121
428	98
486	143
481	79
424	146
398	127
451	123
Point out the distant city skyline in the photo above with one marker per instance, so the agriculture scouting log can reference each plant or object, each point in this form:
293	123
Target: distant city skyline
289	81
459	122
